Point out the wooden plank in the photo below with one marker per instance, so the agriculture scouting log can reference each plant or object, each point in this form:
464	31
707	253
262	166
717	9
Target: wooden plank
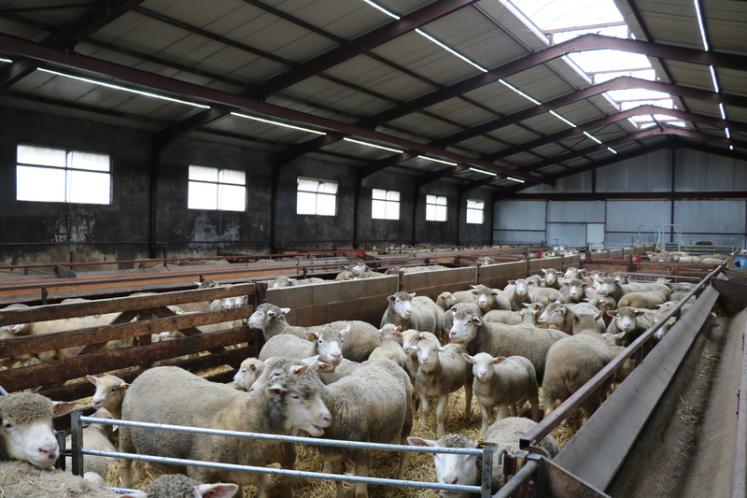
130	303
79	390
72	368
102	335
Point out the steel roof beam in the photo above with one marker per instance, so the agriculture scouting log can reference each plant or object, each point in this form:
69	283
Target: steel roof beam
642	110
621	83
102	13
580	44
17	46
362	44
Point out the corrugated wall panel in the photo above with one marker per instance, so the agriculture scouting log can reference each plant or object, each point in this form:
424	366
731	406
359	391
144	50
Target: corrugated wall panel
726	216
521	215
628	216
519	236
576	211
698	171
566	234
580	182
647	173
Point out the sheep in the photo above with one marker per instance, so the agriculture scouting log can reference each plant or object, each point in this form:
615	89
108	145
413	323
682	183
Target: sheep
110	391
631	322
529	314
413	312
503	382
332	373
360	338
441	371
271	320
466	469
391	347
661	285
603	304
551	278
373	404
572	361
544	295
503	340
559	316
180	486
488	299
410	340
446	300
26	428
96	437
574	291
286	397
610	287
17	329
21	480
503	316
247	373
648	299
448	317
327	344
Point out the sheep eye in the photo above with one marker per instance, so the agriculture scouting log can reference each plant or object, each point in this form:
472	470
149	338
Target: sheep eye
243	370
294	396
8	425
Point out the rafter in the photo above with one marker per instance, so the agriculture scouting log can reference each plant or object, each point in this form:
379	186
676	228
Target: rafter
642	110
580	44
360	45
102	13
17	46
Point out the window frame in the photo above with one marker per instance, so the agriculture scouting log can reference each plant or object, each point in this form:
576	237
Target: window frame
386	203
218	183
433	207
480	210
318	192
68	169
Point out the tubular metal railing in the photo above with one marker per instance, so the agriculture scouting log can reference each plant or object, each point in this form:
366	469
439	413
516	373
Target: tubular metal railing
78	450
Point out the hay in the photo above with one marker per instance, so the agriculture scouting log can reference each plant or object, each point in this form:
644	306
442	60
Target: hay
420	466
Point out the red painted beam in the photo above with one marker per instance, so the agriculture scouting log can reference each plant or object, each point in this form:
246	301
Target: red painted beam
580	44
362	44
17	46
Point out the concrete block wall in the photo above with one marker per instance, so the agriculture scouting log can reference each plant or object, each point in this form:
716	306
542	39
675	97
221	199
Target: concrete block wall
498	275
432	283
536	265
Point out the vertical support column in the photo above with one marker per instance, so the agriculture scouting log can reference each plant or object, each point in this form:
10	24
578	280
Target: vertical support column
76	433
416	200
60	463
487	470
459	223
274	248
672	188
356	207
153	176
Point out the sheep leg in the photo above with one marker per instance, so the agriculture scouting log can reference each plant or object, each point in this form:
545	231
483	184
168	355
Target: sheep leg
424	408
514	409
468	400
485	417
404	459
360	468
336	467
534	400
441	412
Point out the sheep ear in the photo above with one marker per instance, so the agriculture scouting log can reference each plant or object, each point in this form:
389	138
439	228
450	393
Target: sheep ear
391	298
398	328
474	286
640	313
544	271
60	408
496	292
277	390
285	311
475	292
420	336
252	367
441	349
468	358
476	320
92	379
271	314
611	313
346	330
527	305
412	294
124	386
512	282
575	318
499	359
397	332
325	367
219	490
310	361
419	441
312	336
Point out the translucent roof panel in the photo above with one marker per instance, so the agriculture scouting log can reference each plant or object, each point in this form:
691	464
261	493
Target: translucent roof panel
563	20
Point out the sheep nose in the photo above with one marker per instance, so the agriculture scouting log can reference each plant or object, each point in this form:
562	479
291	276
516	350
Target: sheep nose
50	450
326	420
451	480
336	355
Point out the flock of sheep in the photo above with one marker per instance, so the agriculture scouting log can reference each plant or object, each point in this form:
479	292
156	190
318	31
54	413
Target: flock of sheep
518	350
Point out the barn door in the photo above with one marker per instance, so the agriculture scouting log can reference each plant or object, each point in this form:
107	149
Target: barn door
595	235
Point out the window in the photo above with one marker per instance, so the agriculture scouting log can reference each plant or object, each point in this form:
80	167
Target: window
435	208
384	204
316	197
44	174
216	189
475	211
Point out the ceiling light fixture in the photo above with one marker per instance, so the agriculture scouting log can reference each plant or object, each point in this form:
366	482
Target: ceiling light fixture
375	146
484	172
277	123
441	161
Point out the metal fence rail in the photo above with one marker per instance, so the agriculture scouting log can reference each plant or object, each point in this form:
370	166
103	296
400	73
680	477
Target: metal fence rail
486	452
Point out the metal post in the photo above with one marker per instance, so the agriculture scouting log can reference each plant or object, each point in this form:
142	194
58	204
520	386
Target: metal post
487	471
76	431
60	463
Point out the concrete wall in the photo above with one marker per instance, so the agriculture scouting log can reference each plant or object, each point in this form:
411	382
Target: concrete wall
629	221
31	231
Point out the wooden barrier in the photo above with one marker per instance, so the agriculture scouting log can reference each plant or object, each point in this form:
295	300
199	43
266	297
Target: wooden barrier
571	261
433	283
536	265
125	344
498	275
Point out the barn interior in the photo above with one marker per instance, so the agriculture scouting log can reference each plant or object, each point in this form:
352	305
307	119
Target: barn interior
169	167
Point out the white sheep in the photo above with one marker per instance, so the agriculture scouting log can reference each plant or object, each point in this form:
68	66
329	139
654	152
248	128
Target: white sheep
391	346
21	480
466	469
95	437
413	312
502	383
285	398
503	316
180	486
441	371
327	344
110	391
247	373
